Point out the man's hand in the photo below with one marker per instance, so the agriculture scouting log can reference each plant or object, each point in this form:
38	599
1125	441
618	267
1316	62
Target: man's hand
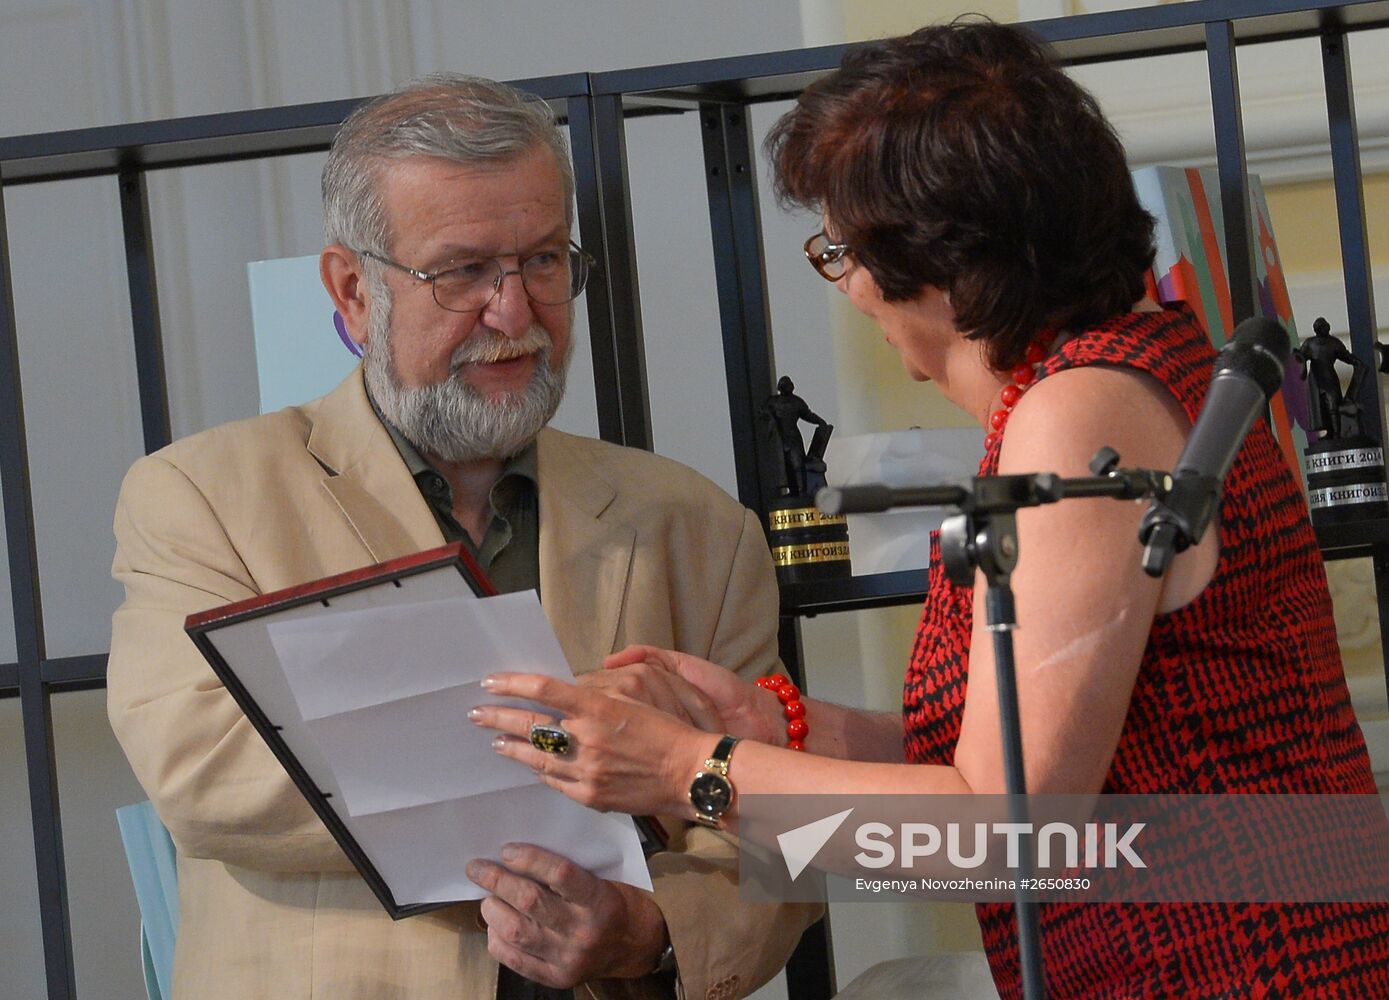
561	925
660	688
742	709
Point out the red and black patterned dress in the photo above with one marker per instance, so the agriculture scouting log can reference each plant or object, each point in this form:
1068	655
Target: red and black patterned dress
1240	691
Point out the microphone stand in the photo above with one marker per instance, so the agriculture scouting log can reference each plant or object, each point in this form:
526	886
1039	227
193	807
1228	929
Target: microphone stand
984	535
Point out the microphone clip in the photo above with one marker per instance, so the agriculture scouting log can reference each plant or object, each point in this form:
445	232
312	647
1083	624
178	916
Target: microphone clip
1177	518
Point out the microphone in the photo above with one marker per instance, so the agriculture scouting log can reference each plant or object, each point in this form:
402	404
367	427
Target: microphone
1248	371
873	498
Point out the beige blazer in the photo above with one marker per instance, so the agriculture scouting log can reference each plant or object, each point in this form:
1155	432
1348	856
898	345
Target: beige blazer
632	548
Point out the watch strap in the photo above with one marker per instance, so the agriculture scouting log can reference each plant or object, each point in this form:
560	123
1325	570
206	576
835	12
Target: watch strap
718	760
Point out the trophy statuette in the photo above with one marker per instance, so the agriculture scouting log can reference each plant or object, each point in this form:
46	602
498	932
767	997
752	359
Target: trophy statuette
1345	465
806	544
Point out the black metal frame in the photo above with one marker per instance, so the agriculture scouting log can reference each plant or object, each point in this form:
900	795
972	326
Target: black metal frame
718	94
597	139
203	630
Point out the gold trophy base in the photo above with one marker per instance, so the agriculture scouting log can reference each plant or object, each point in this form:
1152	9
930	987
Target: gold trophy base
806	544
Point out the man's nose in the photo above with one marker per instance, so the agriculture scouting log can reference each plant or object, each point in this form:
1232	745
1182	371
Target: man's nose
509	310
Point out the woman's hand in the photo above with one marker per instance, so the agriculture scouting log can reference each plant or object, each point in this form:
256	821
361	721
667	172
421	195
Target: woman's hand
624	756
744	710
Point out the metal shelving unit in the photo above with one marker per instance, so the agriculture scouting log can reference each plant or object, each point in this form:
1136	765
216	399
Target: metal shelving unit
716	96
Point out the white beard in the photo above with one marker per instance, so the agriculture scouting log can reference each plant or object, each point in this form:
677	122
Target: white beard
451	420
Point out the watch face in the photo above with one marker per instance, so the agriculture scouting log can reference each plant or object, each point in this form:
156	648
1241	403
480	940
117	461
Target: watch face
711	793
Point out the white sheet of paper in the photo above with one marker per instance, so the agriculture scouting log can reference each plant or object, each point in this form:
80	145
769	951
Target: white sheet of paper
354	659
422	852
384	694
416	750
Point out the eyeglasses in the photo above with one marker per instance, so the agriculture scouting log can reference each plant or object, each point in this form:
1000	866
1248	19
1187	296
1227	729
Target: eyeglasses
827	258
550	277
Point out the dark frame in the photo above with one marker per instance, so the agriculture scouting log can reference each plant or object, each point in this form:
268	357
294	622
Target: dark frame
595	105
202	629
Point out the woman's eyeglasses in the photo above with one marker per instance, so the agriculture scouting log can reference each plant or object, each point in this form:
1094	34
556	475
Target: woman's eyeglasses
828	259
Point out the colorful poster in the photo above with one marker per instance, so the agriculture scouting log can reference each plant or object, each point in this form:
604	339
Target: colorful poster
1191	267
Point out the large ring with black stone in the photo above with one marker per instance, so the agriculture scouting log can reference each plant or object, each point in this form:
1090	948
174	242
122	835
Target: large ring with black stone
550	738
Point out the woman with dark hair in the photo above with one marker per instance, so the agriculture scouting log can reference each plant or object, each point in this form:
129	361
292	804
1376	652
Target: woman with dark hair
978	207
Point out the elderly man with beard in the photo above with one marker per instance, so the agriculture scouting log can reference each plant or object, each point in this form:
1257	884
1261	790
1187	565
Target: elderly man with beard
447	216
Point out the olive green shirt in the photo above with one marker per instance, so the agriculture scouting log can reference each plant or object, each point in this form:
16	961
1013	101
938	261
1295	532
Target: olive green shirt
510	550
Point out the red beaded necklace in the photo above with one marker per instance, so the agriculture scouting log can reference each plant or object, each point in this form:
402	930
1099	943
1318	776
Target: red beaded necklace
1022	377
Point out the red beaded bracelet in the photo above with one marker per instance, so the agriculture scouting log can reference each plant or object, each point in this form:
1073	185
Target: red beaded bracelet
792	707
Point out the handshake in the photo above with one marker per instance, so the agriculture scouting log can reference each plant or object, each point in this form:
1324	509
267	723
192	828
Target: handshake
628	737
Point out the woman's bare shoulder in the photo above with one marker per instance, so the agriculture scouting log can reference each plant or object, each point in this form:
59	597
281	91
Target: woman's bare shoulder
1065	418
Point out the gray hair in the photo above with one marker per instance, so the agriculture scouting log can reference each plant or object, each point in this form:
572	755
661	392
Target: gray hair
465	119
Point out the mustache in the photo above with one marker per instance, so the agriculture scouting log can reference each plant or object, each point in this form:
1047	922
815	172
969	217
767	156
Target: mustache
489	347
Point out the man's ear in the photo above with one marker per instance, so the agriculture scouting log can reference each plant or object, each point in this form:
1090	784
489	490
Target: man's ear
341	273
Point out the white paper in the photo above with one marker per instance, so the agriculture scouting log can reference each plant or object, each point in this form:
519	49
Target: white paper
417	750
383	692
422	852
337	662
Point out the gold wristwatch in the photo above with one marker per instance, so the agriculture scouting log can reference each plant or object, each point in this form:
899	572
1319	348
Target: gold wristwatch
711	793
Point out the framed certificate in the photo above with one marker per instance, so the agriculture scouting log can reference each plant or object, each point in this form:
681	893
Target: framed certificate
238	641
